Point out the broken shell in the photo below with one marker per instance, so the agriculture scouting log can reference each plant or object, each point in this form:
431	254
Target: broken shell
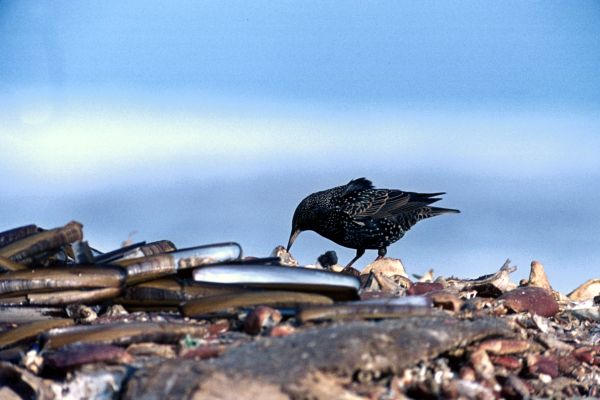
218	327
538	365
16	234
504	346
398	307
501	280
104	258
378	282
55	279
261	318
121	333
386	266
446	300
335	285
531	299
171	292
285	257
467	373
147	250
151	349
588	354
30	330
586	309
282	330
419	288
227	302
537	276
508	362
66	297
81	313
24	315
482	364
79	354
515	388
587	291
23	250
203	352
93	381
6	264
32	361
148	268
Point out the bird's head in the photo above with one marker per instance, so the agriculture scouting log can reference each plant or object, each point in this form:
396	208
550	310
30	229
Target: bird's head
302	220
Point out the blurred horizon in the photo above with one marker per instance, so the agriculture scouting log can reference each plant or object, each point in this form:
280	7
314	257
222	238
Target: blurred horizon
203	122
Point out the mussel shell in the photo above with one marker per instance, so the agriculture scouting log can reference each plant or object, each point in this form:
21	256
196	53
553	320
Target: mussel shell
22	251
153	267
335	285
121	333
227	302
56	279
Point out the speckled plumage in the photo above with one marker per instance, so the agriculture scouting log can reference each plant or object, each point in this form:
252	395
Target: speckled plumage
361	217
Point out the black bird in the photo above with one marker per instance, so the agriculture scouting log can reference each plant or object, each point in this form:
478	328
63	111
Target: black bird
361	217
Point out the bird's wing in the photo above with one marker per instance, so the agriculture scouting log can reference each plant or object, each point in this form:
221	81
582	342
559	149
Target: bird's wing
384	203
356	185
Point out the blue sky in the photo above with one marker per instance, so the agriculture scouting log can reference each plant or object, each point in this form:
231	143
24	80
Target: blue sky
393	52
208	121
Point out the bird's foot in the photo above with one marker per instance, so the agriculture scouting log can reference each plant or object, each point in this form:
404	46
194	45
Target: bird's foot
348	270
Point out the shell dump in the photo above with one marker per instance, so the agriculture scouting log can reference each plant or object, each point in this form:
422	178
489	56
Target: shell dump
79	323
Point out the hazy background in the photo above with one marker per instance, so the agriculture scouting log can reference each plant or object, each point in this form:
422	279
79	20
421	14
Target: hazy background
202	122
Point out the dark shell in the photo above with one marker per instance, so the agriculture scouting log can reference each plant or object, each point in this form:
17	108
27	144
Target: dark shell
531	299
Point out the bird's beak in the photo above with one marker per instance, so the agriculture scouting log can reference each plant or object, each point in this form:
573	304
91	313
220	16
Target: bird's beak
293	236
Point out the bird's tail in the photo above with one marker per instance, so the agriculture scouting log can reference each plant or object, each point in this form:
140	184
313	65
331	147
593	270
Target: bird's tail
439	211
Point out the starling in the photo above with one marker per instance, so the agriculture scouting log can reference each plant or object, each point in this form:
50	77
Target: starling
361	217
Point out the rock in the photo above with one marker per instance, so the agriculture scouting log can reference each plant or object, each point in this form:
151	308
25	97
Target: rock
345	349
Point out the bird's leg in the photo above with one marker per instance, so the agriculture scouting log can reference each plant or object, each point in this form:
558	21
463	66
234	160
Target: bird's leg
348	269
359	254
381	253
